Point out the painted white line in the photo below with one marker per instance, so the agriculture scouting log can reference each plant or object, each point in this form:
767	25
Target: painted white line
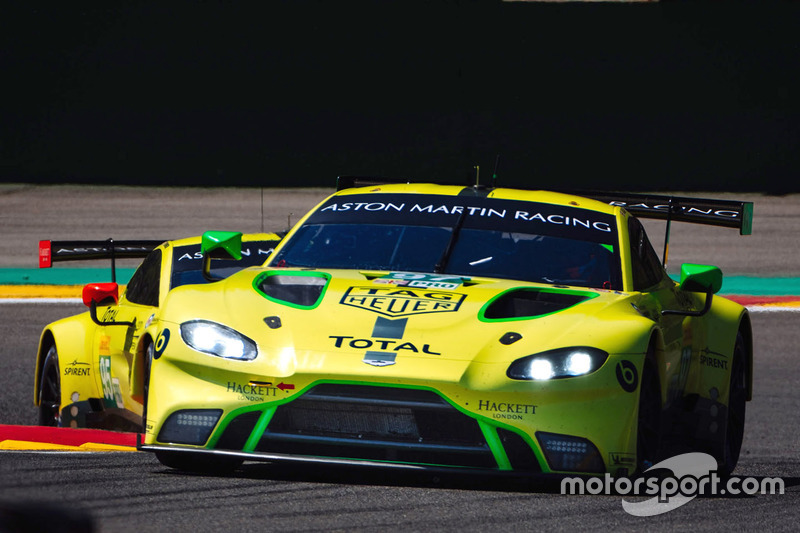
773	309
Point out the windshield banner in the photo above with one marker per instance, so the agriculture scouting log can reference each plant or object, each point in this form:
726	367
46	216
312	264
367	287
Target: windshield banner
480	213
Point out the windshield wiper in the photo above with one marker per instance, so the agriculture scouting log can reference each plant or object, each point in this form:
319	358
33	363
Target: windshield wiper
442	263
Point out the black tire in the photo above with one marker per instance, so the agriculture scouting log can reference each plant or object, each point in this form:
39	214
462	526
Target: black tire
198	462
728	453
50	390
149	353
648	432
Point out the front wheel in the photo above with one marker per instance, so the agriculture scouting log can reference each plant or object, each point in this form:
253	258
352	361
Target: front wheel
648	434
50	390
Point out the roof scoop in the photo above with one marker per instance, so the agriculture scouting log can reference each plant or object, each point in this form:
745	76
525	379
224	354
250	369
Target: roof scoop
522	303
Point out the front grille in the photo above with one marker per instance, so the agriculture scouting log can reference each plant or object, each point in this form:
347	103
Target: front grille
377	423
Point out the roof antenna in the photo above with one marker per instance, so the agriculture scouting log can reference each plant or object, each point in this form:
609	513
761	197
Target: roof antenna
494	174
477	175
262	209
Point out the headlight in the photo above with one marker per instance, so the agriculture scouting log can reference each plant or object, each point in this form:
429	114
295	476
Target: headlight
216	339
559	363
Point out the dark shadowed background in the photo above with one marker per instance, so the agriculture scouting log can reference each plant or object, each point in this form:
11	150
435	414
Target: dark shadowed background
655	96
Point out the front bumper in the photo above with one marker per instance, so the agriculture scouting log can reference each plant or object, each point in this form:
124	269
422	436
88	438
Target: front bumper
572	426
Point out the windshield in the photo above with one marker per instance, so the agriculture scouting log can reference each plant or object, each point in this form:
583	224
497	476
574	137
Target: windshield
187	262
407	235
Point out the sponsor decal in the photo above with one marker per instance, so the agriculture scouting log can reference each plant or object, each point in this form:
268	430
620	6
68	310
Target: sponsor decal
246	252
256	391
627	376
688	210
397	302
110	314
105	345
253	392
382	344
425	281
714	361
161	343
506	410
76	368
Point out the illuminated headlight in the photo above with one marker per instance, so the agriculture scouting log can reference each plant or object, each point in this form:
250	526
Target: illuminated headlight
216	339
560	363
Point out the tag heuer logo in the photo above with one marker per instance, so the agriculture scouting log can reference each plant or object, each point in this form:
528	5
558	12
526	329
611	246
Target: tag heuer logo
396	301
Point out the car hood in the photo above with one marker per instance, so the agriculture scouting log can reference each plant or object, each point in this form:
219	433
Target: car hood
381	318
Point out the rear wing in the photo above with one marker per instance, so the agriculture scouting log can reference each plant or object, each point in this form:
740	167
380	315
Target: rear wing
57	251
724	213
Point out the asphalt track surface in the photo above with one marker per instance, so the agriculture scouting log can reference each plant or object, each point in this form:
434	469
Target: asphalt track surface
131	491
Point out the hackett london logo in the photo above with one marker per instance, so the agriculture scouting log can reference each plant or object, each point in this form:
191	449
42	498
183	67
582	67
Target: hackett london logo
395	301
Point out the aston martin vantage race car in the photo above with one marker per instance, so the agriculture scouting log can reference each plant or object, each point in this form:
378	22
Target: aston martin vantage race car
90	368
451	327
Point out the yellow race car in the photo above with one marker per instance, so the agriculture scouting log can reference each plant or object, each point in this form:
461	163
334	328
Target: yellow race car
89	368
440	326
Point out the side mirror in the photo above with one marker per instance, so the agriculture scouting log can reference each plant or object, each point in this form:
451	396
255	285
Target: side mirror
100	293
95	294
698	278
220	245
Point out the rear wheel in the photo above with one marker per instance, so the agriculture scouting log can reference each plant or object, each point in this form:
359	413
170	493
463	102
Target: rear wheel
728	454
648	435
50	390
198	463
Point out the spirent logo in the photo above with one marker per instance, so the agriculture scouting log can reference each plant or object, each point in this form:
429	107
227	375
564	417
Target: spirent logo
395	301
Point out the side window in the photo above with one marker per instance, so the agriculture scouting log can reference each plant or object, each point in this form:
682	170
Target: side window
646	266
143	286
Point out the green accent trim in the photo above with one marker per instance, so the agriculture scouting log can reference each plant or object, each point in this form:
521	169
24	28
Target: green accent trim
223	424
747	219
260	278
261	427
488	426
482	313
493	440
609	247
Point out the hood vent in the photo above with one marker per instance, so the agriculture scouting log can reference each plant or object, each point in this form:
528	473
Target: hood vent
303	290
518	304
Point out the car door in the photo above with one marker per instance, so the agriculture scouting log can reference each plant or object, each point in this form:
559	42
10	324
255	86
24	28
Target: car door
660	293
117	341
